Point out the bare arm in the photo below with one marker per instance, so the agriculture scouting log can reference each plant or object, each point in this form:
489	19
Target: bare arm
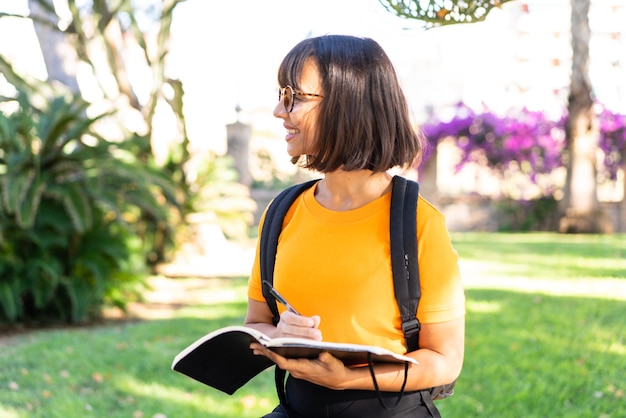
440	361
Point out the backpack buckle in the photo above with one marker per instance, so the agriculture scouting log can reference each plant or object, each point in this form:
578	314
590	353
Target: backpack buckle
411	327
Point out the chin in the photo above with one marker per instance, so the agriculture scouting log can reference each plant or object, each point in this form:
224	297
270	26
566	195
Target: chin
293	153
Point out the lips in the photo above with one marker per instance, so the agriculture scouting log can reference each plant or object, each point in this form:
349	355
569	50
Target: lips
291	132
290	129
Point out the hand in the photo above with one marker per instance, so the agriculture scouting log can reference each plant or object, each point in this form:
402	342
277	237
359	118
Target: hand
293	325
326	370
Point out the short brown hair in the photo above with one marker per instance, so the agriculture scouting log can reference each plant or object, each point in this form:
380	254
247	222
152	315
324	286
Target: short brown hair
364	120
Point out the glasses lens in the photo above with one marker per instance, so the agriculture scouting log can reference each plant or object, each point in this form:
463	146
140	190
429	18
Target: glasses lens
288	98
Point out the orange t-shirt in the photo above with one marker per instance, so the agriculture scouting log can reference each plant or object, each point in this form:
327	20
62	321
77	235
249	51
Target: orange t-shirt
336	264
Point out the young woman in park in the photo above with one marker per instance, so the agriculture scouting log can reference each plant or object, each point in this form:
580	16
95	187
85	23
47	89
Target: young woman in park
346	117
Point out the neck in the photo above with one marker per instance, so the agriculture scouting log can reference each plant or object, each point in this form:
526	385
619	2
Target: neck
346	190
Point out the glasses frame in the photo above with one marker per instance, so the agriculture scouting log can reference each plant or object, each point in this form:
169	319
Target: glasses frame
282	92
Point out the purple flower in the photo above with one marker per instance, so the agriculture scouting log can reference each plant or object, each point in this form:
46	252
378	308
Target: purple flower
527	140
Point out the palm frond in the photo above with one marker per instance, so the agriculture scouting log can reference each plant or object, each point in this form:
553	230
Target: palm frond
55	125
44	277
14	183
76	203
9	298
140	186
9	137
28	205
38	91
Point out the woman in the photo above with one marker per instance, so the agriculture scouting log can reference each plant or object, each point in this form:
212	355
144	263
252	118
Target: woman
347	118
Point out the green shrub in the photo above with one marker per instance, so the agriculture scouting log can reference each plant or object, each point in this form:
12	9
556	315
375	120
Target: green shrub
216	193
75	215
527	215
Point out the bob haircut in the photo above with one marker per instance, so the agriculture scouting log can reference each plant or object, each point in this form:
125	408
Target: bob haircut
363	120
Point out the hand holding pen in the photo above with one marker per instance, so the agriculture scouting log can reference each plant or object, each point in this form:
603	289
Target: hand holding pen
300	326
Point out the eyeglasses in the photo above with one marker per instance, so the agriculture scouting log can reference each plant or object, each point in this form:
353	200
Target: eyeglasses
288	96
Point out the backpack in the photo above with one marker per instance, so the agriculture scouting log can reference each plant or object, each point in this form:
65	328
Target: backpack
403	241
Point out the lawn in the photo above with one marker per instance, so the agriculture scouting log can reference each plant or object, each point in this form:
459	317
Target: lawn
545	338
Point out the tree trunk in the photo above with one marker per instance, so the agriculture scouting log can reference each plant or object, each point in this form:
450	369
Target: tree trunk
580	209
58	52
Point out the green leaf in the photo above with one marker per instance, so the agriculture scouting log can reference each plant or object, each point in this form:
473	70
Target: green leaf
14	188
97	268
9	139
45	277
54	122
80	298
438	13
8	300
75	202
29	203
37	89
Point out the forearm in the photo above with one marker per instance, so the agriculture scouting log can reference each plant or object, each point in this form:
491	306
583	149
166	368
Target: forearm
433	370
267	329
440	362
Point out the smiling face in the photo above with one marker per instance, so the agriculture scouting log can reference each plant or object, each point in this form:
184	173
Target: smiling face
301	122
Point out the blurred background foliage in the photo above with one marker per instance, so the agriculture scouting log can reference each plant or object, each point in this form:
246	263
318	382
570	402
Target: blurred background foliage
95	195
436	13
530	143
527	143
80	215
90	203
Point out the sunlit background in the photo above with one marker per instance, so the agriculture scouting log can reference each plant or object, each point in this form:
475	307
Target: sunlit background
226	53
569	287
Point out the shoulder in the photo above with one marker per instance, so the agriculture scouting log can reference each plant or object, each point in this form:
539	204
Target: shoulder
431	224
282	205
427	211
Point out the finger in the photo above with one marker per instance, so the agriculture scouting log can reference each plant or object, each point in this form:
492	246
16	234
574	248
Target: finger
316	321
260	350
280	361
287	330
297	320
329	360
257	349
291	325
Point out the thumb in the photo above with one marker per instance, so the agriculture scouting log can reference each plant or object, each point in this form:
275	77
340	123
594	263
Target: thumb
316	321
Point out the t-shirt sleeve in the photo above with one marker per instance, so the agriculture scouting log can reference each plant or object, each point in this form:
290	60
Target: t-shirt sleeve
255	290
443	297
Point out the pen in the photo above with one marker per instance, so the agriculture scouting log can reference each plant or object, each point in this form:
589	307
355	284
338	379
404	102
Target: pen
279	298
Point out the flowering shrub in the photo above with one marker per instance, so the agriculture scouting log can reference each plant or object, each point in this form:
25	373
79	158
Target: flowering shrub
524	141
612	142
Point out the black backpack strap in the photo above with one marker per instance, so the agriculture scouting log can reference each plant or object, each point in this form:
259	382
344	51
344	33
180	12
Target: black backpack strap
403	233
403	240
272	227
405	271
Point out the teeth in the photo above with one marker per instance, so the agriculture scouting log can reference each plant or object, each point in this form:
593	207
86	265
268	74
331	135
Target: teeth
292	131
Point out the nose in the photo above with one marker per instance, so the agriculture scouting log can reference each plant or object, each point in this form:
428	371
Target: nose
280	111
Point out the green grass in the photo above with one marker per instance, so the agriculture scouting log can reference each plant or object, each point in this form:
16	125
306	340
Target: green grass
545	338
